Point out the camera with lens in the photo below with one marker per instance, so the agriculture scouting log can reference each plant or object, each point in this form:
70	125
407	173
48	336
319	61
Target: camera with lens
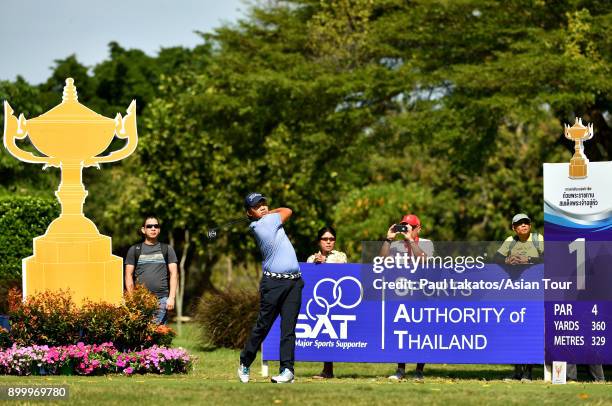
400	228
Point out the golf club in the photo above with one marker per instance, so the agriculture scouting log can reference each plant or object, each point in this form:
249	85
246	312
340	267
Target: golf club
212	233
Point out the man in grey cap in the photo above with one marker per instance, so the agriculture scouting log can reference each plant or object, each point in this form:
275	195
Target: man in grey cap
280	287
524	247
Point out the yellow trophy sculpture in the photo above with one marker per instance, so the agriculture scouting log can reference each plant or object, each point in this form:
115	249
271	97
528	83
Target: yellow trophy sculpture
578	133
72	254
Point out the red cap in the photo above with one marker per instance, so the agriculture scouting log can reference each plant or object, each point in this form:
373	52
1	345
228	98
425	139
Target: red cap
411	219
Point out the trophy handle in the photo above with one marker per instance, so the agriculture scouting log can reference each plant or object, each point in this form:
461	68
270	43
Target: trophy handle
17	129
125	128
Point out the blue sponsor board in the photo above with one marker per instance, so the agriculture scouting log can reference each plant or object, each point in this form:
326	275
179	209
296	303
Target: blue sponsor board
352	314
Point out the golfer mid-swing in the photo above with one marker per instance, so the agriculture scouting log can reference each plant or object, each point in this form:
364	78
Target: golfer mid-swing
280	287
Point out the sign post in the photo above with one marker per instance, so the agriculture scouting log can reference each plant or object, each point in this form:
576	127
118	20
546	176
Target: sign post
578	230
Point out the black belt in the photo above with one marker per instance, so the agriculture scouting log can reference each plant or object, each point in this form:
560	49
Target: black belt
284	275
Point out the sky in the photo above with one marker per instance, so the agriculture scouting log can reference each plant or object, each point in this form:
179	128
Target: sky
35	33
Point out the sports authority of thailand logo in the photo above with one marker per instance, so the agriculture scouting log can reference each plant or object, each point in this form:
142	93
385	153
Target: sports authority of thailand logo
326	323
337	299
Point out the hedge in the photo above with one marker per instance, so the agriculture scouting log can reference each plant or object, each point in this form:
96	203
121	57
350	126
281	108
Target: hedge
21	219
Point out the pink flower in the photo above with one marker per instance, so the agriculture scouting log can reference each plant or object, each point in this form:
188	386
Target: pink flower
104	358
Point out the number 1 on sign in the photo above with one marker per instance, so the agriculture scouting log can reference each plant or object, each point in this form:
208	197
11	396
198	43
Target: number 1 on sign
578	246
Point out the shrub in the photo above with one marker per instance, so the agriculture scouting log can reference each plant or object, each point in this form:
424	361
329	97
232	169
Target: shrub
5	338
128	327
228	317
137	324
162	336
5	287
21	219
51	318
99	322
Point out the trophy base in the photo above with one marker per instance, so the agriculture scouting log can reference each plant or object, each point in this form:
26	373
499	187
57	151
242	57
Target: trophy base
82	264
577	171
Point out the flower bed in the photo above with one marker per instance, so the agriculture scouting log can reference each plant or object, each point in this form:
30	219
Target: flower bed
51	318
82	359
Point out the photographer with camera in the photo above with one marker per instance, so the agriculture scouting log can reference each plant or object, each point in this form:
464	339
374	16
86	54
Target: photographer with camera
409	229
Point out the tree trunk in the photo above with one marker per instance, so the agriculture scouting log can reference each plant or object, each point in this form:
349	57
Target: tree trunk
181	288
229	271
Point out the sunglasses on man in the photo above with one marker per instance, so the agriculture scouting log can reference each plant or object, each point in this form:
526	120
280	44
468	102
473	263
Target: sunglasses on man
328	239
520	223
152	226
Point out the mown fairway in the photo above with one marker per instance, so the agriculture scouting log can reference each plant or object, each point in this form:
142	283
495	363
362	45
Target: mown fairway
213	381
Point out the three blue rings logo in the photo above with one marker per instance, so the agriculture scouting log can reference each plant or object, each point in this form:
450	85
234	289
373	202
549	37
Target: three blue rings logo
337	299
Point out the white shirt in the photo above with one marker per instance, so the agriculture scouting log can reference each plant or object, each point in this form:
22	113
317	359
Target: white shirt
334	257
398	247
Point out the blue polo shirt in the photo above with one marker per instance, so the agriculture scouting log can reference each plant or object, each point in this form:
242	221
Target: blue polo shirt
276	249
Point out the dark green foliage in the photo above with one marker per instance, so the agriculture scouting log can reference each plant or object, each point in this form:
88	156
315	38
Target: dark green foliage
22	218
366	214
351	113
70	67
18	177
227	317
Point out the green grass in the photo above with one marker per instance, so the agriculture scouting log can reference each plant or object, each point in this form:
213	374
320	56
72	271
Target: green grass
213	381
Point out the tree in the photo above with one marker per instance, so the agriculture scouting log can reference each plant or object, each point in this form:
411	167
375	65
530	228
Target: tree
70	67
293	99
353	112
19	177
497	132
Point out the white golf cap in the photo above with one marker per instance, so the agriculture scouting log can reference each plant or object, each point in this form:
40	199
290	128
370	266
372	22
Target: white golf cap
519	217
